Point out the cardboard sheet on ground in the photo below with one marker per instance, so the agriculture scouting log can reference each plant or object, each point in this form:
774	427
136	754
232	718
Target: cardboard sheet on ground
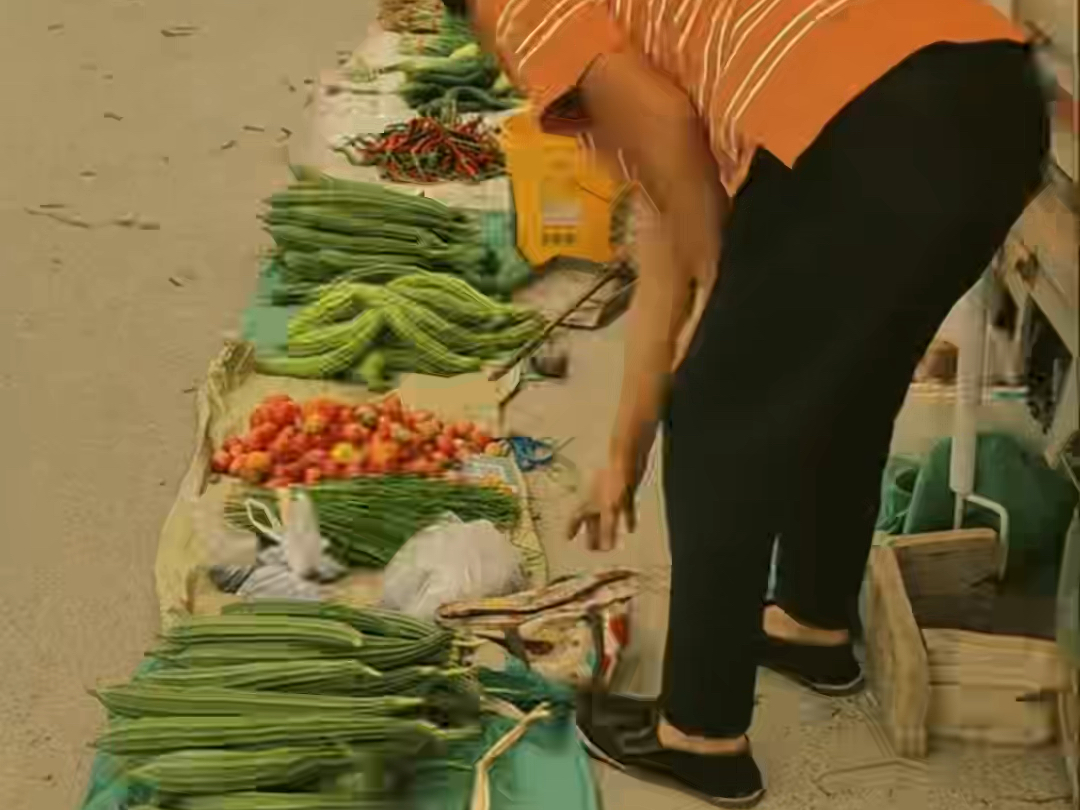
231	390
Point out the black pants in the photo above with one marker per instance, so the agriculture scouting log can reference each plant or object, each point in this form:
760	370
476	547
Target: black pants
834	277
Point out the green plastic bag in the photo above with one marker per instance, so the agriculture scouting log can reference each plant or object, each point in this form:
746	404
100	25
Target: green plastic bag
1039	500
897	487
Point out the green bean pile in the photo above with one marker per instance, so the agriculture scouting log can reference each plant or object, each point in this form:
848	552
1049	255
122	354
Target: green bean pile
366	520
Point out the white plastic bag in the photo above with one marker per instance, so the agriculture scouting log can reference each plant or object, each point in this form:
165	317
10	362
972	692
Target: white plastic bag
300	538
449	562
225	544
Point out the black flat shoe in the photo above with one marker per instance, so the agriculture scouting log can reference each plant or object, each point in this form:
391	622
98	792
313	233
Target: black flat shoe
622	732
831	671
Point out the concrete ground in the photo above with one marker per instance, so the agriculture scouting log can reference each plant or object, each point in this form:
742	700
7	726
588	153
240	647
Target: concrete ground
105	328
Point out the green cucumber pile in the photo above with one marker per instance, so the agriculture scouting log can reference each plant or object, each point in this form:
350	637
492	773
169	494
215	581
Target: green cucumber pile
462	80
365	698
366	520
430	323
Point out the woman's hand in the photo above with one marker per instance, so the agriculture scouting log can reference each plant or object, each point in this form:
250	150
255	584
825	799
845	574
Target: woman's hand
610	498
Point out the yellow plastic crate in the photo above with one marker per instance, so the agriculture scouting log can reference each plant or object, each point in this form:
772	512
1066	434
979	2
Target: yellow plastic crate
563	198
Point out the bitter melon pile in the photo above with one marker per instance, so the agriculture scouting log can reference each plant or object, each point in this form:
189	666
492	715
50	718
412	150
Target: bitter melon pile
430	323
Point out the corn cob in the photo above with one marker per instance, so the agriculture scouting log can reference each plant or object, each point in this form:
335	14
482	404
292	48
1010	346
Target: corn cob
209	771
332	635
150	700
156	735
302	676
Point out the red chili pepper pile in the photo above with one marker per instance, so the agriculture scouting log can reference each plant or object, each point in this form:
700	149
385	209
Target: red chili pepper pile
431	150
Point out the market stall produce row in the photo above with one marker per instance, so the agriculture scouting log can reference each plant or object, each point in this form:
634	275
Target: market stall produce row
266	701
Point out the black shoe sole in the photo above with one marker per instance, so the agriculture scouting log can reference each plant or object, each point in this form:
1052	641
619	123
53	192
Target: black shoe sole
827	689
650	775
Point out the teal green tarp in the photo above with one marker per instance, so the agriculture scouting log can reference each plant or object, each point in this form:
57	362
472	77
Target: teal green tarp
916	498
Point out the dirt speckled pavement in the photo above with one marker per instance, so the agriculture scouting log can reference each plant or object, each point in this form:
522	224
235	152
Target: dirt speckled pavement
104	330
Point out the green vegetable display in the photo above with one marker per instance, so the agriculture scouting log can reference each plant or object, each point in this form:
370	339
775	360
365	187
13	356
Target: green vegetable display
453	75
444	325
290	734
328	229
455	33
366	520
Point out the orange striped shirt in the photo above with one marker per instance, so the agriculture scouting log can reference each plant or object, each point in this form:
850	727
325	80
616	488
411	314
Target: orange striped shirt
768	73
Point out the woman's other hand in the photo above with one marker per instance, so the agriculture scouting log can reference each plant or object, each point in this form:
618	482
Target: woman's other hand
610	499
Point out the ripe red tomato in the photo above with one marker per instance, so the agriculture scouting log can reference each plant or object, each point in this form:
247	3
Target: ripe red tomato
284	412
220	462
315	423
440	460
313	457
445	445
463	429
427	429
312	475
259	416
366	416
353	470
382	453
317	405
262	436
354	433
392	407
258	461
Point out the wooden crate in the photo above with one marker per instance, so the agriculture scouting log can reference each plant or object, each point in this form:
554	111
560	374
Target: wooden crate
934	681
1069	732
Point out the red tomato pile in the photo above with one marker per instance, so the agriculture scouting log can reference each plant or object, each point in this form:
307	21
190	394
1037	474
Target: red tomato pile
291	443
